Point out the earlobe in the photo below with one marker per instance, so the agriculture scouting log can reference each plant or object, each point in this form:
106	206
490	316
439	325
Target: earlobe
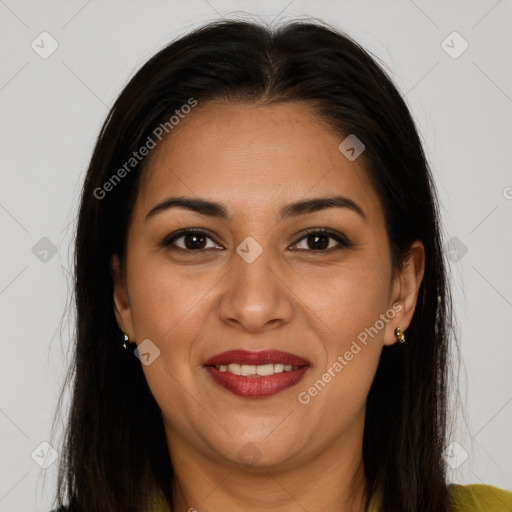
120	297
405	292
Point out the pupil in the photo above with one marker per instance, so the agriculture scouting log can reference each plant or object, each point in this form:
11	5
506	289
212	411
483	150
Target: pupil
318	245
194	244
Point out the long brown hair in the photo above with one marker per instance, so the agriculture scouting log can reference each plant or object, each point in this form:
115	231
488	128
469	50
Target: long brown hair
114	456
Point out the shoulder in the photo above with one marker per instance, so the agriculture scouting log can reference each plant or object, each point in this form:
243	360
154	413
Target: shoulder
479	497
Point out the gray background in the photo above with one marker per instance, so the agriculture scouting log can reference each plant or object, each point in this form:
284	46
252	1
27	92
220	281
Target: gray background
52	110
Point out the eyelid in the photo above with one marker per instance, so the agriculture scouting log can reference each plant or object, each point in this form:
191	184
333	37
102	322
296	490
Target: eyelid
170	239
340	238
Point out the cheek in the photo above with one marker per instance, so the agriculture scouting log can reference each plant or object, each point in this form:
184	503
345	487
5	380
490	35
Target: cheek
347	310
166	308
346	300
163	301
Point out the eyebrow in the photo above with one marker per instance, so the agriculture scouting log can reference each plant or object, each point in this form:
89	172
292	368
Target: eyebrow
214	209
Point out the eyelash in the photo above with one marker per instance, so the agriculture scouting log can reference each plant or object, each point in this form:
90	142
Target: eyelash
343	242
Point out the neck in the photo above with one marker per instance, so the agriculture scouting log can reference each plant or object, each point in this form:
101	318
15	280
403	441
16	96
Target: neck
334	480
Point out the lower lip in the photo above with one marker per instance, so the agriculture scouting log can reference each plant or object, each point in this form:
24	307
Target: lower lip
257	387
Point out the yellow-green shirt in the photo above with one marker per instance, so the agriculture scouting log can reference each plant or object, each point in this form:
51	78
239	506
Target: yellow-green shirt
468	498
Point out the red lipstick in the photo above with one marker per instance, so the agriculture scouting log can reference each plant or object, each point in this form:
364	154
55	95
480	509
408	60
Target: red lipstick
288	370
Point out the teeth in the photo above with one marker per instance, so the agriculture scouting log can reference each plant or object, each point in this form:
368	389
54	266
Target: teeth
234	368
278	368
262	370
265	369
247	370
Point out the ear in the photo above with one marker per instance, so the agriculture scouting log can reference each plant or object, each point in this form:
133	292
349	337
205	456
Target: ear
405	289
122	308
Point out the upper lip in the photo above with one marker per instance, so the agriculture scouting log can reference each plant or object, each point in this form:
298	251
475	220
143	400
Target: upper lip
256	358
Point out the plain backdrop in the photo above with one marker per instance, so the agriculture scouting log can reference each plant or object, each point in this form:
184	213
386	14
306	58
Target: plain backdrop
52	107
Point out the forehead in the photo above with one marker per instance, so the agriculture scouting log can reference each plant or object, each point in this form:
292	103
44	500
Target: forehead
253	157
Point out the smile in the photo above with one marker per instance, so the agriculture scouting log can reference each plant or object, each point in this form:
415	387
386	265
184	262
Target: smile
263	370
256	374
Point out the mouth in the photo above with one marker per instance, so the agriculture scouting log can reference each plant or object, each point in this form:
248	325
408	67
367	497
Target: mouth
256	374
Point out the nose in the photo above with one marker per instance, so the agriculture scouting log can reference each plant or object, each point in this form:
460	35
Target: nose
257	297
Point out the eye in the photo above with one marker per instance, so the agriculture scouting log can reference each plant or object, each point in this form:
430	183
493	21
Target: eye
319	240
194	240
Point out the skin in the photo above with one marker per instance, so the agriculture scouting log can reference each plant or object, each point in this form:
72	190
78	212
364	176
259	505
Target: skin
255	159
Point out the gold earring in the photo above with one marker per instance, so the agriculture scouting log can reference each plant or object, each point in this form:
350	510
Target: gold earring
400	335
126	341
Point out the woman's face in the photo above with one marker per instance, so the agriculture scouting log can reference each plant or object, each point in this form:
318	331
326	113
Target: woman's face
255	281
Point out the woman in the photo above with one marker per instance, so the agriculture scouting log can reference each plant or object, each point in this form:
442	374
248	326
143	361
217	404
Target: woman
263	312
